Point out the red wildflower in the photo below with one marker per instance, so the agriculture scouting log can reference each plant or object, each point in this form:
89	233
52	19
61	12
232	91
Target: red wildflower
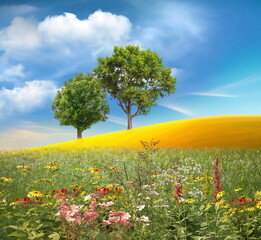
243	200
56	191
217	185
64	190
178	190
27	199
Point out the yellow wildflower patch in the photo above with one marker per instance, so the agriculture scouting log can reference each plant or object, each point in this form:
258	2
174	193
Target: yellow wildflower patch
36	194
95	170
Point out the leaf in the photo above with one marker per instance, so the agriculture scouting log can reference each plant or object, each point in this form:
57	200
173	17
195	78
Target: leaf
54	236
17	234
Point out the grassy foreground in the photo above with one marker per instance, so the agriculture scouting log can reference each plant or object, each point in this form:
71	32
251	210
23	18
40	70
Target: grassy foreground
238	131
128	194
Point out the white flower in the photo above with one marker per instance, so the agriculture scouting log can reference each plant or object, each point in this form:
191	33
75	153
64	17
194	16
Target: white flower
140	207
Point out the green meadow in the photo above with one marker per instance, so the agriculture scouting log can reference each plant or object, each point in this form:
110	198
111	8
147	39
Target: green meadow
145	193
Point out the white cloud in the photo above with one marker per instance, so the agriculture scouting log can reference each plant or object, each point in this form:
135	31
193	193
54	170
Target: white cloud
212	94
220	91
12	73
175	72
66	33
176	108
22	34
118	120
24	99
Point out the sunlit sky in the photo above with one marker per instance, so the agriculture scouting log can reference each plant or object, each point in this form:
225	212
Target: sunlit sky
213	48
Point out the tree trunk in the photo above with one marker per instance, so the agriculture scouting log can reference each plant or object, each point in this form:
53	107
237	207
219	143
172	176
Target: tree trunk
79	133
129	121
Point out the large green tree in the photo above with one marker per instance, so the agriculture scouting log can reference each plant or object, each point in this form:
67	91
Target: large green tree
80	103
135	78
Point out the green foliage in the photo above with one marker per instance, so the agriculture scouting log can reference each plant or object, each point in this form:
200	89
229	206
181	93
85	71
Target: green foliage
135	78
80	103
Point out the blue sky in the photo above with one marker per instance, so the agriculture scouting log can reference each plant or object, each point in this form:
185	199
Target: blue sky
213	47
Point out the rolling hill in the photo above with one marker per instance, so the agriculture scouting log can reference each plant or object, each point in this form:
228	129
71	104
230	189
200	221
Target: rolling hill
239	131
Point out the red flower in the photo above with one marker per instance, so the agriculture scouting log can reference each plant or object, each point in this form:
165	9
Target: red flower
18	200
27	199
64	190
234	200
217	185
243	200
56	191
178	190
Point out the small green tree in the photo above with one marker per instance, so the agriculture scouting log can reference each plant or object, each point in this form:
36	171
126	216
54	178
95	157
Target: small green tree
80	103
135	78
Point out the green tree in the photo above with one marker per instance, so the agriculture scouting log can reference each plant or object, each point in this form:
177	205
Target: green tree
135	78
80	103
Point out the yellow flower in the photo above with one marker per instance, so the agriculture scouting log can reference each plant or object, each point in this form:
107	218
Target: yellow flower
208	207
224	219
94	183
22	166
42	181
47	196
258	205
231	211
36	194
250	209
190	200
51	166
7	179
46	204
98	177
258	194
27	169
81	169
190	183
237	189
240	210
220	194
197	179
114	168
95	170
76	186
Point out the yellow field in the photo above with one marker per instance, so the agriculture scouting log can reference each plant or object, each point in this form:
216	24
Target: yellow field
241	131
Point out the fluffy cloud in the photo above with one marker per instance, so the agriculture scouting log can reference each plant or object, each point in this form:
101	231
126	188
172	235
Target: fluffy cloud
24	99
12	73
99	32
22	34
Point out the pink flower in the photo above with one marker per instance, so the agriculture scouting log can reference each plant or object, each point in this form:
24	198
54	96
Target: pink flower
122	218
106	204
89	215
70	213
87	198
93	204
217	185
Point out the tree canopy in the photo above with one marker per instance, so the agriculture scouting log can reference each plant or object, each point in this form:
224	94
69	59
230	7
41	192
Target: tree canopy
135	78
80	103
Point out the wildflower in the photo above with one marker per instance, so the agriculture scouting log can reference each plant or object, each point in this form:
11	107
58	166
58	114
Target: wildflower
143	219
258	205
95	170
106	204
114	168
220	194
7	179
70	213
22	166
36	194
190	200
250	209
258	194
89	197
51	166
81	169
98	177
46	204
47	195
217	185
140	207
89	215
224	219
243	199
231	211
237	189
222	204
178	191
42	181
208	207
27	169
122	218
16	202
64	190
27	199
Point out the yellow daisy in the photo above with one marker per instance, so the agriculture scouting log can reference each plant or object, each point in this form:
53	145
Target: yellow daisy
95	170
7	179
36	194
190	200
